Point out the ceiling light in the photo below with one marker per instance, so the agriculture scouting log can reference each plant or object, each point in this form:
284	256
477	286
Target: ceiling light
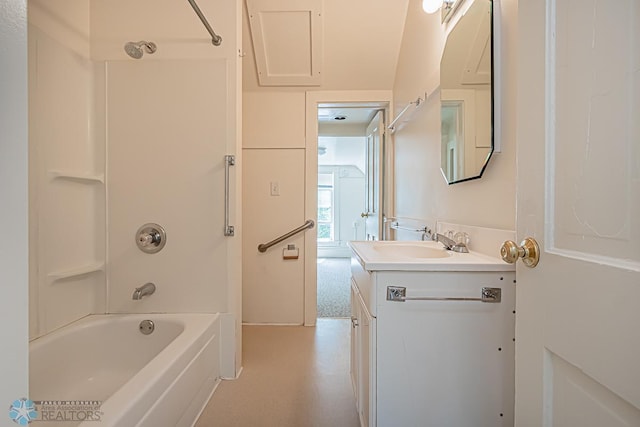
431	6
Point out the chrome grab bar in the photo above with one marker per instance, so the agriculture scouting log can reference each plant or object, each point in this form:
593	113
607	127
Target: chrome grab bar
399	294
416	103
262	247
396	226
215	39
229	160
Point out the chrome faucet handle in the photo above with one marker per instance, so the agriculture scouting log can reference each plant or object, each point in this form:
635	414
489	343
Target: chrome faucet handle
427	233
462	240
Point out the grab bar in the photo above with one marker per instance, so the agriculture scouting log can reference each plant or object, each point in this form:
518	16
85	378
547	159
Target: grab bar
215	39
264	246
399	294
417	103
229	160
424	229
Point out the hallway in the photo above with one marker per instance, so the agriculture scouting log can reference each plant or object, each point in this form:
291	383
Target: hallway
293	376
334	287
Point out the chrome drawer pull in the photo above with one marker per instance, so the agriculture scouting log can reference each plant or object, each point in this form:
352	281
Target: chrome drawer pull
399	294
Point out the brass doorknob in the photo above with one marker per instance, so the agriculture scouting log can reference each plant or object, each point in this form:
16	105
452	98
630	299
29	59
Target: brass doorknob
528	250
364	215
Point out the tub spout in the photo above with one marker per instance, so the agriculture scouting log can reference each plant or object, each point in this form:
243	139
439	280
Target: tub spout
144	290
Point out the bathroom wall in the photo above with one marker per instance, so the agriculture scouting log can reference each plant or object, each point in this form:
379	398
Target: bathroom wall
171	117
14	356
421	191
66	185
273	146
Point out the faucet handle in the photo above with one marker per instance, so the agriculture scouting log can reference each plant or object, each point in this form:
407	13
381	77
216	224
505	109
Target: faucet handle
461	238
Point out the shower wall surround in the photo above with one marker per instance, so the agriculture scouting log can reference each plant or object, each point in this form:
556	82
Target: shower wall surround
118	142
66	184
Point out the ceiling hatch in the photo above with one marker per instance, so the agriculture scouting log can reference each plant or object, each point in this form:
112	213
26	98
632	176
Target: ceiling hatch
287	41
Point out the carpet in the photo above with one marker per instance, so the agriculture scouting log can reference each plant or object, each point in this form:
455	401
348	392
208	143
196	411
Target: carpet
334	278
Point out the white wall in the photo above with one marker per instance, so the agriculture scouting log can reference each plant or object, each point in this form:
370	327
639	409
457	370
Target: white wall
273	289
421	191
13	195
273	149
67	197
166	132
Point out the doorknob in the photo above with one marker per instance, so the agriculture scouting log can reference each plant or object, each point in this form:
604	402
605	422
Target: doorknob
364	215
528	250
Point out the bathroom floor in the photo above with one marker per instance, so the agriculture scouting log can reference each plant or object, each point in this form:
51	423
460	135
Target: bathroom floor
293	376
334	286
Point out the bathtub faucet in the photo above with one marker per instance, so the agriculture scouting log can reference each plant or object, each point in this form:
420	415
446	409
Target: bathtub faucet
144	290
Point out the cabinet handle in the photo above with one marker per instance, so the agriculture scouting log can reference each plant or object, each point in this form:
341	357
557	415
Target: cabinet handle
354	321
399	294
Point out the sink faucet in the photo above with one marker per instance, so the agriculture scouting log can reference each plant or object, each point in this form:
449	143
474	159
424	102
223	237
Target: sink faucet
450	244
144	290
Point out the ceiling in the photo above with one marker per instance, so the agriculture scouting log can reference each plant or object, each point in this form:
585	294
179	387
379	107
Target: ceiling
351	115
360	44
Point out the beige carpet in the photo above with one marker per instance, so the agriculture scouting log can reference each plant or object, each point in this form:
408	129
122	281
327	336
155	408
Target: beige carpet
293	376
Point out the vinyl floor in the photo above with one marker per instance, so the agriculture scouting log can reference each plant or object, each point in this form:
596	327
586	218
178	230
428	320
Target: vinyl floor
293	376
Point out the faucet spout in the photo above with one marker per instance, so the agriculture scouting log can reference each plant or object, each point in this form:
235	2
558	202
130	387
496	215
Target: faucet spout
144	290
450	244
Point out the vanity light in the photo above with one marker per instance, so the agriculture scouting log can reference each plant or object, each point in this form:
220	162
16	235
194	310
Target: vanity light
432	6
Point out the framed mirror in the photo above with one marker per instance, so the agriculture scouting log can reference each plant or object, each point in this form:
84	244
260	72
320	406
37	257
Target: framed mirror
467	95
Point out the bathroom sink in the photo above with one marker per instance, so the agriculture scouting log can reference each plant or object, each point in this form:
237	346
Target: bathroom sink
410	251
396	255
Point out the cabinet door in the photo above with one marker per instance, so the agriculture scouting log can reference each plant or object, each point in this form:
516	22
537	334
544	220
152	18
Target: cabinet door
364	365
353	366
445	363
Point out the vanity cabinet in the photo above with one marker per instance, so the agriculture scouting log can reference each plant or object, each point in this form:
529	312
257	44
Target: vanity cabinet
362	356
439	363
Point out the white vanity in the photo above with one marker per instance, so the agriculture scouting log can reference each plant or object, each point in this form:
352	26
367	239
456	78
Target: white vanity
432	336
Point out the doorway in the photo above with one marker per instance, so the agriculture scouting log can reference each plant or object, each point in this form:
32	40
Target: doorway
315	100
349	170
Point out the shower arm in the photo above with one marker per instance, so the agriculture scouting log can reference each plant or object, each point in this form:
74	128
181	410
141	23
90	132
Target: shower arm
215	39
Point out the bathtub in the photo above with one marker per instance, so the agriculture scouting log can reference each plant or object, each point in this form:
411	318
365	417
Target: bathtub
161	379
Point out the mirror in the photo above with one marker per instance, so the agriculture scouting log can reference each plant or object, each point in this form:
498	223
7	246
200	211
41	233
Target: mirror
466	95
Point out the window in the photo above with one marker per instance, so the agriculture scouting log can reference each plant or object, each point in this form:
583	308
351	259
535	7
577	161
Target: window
326	207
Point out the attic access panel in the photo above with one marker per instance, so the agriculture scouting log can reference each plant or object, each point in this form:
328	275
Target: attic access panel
287	41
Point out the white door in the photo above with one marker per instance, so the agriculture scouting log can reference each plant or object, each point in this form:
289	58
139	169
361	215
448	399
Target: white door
578	311
373	201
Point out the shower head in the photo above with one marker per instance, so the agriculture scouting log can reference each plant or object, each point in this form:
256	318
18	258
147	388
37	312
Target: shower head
136	49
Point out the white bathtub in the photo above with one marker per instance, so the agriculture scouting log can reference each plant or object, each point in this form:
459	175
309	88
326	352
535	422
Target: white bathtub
161	379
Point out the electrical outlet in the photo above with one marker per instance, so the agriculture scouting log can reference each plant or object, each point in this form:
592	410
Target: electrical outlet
275	188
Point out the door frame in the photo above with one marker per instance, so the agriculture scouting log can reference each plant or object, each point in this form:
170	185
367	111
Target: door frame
313	99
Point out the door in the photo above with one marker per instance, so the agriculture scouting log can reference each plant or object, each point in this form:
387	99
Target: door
578	311
373	202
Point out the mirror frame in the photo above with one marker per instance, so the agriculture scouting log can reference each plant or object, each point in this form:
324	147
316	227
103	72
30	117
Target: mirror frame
495	76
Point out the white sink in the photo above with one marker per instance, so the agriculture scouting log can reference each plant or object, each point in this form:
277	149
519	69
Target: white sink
421	256
410	251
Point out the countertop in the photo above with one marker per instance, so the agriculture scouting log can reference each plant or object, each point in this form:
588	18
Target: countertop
421	256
